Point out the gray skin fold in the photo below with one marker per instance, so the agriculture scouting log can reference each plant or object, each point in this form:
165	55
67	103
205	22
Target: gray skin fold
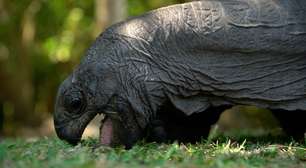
195	55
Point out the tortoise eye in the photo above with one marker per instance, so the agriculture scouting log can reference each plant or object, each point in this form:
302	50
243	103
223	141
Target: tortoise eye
74	102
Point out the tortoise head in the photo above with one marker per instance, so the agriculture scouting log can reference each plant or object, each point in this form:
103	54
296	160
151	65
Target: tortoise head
74	109
96	88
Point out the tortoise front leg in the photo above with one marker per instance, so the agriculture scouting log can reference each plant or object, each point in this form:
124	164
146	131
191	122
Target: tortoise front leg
172	124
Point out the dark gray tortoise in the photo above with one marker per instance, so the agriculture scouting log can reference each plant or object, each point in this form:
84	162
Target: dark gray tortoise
168	74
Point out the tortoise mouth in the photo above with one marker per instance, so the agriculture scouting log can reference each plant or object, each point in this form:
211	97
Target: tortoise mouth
114	131
106	132
110	129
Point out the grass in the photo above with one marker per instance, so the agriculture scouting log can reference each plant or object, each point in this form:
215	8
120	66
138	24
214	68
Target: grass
51	152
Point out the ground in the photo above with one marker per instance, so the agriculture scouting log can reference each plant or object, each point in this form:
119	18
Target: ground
51	152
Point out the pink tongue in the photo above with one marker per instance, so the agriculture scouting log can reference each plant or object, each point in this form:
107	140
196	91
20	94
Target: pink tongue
106	132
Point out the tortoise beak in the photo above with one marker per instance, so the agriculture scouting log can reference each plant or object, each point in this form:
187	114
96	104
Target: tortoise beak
71	129
67	135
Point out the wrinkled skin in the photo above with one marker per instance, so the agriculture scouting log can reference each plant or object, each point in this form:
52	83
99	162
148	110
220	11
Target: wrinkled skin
79	101
195	59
